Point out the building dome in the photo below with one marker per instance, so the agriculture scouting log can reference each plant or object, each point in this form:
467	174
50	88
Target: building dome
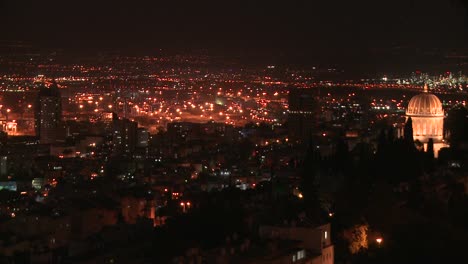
427	115
425	104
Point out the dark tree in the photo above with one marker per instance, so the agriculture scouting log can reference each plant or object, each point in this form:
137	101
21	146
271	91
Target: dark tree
390	135
457	125
342	155
430	149
3	138
309	171
381	142
408	133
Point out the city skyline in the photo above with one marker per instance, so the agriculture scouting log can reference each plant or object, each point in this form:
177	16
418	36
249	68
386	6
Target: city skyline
233	132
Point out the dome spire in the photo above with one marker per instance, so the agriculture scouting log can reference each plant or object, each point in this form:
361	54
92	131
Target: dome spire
425	88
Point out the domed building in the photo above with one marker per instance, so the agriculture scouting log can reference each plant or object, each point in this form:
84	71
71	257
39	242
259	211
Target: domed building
426	112
427	116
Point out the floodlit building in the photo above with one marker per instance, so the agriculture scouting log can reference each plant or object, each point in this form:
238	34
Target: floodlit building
427	116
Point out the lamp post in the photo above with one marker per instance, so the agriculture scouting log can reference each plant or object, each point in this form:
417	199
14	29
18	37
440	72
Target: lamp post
185	206
379	241
7	112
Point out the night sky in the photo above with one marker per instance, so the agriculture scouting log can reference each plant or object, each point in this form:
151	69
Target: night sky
338	29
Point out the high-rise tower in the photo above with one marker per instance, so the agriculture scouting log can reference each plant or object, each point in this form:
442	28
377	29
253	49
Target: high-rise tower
48	113
301	113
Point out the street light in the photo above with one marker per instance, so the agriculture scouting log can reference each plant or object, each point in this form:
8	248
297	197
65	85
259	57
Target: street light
183	207
379	240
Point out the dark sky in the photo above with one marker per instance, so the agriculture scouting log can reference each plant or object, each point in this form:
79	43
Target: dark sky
315	28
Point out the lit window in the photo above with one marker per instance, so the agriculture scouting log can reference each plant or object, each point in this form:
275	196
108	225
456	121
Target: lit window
300	254
326	235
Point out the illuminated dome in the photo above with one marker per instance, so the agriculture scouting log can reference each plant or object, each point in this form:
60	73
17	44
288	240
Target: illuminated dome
425	104
427	116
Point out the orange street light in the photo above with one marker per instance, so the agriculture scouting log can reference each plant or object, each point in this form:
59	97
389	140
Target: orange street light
379	240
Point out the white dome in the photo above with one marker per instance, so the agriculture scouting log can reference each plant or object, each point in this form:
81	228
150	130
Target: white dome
425	104
427	115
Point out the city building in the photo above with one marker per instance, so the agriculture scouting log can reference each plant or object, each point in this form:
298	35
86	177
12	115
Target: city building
124	136
316	245
301	114
48	112
142	137
277	244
